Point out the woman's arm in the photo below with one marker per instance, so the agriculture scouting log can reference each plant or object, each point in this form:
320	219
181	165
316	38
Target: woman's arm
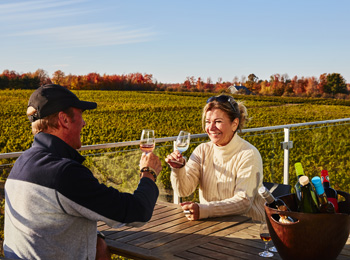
185	180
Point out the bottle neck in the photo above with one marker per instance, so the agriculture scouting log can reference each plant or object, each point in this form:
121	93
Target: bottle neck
305	187
266	194
326	184
269	199
323	198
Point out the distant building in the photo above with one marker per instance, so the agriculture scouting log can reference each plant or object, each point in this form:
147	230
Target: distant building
239	90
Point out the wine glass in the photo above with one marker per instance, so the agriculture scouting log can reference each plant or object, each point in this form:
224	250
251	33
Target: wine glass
183	141
147	141
273	249
266	237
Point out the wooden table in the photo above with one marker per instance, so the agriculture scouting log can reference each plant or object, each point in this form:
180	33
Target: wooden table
169	235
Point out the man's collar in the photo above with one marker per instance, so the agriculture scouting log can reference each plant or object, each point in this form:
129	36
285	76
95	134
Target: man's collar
57	146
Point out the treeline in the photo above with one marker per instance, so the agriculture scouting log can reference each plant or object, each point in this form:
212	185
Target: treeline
281	85
91	81
327	85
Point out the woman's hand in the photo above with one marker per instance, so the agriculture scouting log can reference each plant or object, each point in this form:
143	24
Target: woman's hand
175	159
193	208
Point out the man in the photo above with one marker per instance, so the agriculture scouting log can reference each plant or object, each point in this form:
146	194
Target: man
53	202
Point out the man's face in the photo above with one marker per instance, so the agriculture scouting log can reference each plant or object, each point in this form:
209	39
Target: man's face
75	125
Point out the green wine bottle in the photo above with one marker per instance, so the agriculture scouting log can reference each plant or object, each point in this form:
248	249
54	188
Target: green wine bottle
300	172
307	202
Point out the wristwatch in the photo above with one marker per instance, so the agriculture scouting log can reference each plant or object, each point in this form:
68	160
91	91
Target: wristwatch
151	171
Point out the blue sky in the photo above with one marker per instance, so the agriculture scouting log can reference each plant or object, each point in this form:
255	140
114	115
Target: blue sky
173	40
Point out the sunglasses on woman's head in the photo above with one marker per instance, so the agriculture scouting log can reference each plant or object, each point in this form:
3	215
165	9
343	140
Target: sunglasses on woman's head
223	99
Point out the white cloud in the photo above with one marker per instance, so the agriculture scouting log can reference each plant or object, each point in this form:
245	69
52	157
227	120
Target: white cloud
28	6
23	12
87	35
43	23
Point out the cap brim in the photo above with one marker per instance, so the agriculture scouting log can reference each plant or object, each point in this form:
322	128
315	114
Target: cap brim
86	105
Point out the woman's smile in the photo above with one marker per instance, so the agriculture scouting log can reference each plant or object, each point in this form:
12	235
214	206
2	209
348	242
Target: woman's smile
219	127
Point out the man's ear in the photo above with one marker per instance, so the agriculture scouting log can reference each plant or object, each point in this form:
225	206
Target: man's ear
63	119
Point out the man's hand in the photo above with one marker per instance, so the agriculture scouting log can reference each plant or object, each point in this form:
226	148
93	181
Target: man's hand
152	161
102	251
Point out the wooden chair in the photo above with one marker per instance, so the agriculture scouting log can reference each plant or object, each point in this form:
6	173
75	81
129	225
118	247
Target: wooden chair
277	189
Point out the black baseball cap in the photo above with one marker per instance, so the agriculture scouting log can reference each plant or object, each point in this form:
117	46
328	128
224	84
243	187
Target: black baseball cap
52	98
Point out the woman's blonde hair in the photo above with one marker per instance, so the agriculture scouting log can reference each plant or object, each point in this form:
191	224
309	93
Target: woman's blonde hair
230	106
51	121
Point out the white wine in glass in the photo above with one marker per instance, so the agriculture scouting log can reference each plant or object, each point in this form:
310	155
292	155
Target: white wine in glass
183	141
266	237
147	141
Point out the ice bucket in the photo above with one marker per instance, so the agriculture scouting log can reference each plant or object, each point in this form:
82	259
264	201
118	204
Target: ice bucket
312	236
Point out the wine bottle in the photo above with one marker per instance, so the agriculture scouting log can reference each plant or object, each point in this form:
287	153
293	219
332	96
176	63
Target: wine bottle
331	193
300	172
307	204
324	204
276	203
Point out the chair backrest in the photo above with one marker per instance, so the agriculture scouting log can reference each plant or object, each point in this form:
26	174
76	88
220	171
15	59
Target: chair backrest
277	189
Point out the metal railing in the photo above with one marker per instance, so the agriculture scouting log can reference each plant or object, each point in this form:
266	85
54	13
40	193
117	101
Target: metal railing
286	145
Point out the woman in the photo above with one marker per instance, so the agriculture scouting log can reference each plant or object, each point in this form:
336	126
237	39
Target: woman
228	169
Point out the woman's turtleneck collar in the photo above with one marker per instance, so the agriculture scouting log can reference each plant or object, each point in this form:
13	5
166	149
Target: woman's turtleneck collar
224	153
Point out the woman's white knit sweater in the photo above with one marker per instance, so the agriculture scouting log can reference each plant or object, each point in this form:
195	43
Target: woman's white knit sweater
228	176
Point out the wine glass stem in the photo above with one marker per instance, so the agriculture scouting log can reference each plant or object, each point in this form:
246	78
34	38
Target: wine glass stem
266	244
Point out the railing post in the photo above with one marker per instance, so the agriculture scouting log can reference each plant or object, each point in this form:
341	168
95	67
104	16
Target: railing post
286	145
176	198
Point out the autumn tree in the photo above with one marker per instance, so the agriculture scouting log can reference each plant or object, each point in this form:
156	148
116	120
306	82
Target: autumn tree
199	84
322	83
57	77
42	76
277	85
221	86
251	82
265	88
312	87
190	82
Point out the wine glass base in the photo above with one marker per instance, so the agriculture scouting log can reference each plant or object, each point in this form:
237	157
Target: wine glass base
266	254
273	249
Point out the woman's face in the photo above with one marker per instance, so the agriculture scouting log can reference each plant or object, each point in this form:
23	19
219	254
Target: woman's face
219	127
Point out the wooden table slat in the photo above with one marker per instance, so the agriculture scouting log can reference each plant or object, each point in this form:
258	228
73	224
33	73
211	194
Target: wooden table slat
177	232
197	239
213	253
157	227
153	223
191	256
